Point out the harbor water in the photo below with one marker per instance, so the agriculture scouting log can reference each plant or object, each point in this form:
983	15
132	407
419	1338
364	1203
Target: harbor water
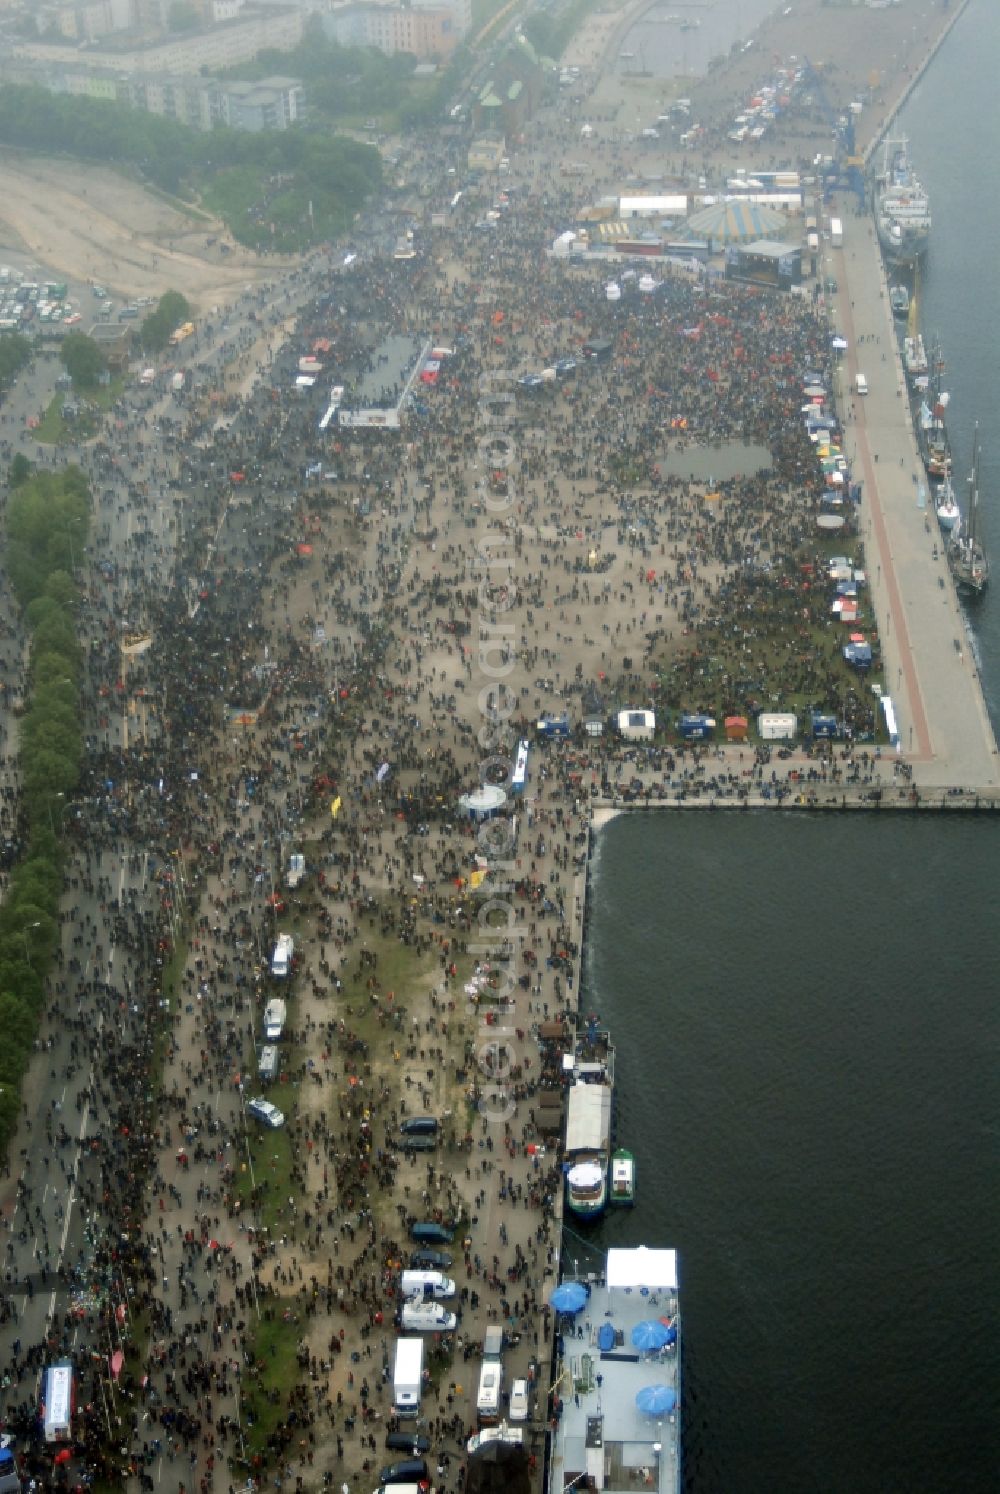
804	1009
805	1014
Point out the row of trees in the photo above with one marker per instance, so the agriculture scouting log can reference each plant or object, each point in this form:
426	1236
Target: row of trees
47	522
334	172
15	354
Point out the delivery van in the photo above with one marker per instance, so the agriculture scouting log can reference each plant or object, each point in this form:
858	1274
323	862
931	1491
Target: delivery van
488	1396
281	956
275	1016
426	1284
427	1317
861	384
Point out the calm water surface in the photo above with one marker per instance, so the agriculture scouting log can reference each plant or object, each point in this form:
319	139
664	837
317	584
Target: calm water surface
805	1011
806	1015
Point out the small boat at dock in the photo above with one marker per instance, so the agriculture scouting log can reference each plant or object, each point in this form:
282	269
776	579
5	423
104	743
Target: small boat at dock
899	300
622	1179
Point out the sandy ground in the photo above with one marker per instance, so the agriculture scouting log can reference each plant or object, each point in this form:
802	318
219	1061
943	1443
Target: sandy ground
90	223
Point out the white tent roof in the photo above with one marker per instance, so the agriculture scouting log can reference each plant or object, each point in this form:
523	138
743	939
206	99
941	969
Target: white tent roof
588	1118
642	1267
654	205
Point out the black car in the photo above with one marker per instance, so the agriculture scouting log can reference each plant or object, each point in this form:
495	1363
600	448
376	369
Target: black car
407	1442
409	1471
429	1232
430	1260
417	1143
419	1125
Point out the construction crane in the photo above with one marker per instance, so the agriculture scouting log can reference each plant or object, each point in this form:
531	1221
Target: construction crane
847	168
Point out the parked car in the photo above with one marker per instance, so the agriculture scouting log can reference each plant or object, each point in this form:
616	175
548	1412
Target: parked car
266	1113
430	1260
429	1232
408	1471
407	1442
417	1143
519	1404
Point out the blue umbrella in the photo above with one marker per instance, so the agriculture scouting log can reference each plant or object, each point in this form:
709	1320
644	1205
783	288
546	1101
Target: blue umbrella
570	1297
656	1400
605	1337
649	1334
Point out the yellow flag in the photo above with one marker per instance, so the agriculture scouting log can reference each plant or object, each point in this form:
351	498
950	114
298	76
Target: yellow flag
335	807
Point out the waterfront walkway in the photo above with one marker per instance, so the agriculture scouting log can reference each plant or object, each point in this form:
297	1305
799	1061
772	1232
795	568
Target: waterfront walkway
930	671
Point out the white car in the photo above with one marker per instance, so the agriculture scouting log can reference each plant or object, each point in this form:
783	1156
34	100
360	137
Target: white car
266	1113
519	1401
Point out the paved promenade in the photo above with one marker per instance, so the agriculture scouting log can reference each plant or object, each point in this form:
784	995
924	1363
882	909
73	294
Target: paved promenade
945	732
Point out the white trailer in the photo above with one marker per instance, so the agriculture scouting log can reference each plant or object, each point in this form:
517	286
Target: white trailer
57	1403
777	726
408	1376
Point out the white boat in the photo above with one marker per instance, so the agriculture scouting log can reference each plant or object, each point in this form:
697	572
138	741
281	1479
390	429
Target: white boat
902	207
587	1189
915	358
949	515
587	1146
620	1407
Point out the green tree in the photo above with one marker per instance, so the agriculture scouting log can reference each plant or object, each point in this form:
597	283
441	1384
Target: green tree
83	359
20	470
172	309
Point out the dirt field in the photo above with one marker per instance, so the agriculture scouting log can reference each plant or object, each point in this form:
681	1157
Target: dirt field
89	223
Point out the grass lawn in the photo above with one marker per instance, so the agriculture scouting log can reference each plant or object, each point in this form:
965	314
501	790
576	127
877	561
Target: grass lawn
269	1165
275	1371
53	428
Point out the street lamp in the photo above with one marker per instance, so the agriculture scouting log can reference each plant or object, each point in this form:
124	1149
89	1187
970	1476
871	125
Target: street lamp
24	936
52	826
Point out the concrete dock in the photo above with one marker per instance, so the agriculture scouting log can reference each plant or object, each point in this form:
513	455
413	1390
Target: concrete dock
929	668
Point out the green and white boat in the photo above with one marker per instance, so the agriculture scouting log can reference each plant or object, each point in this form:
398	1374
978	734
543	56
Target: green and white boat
622	1190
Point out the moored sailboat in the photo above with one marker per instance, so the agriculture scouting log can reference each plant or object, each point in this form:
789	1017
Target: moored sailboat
969	563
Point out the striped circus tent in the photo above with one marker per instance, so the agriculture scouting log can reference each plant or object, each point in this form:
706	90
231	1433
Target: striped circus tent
737	222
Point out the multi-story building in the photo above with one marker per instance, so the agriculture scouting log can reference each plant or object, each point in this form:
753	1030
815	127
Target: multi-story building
212	48
424	28
269	104
272	103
